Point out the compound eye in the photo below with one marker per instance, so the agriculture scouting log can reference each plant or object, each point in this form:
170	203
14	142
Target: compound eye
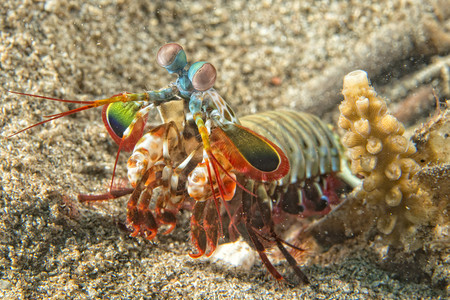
202	75
171	57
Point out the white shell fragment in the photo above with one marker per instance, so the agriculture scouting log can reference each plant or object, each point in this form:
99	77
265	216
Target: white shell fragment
238	254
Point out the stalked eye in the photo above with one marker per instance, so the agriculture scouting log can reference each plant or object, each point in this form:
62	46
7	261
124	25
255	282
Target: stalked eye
202	75
172	57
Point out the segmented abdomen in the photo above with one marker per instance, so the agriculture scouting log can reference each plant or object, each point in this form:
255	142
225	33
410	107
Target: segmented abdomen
313	151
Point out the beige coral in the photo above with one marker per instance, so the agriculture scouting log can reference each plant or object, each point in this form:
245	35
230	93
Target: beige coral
382	156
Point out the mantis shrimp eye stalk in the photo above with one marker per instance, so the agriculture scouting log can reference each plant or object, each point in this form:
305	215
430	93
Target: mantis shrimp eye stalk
171	57
202	75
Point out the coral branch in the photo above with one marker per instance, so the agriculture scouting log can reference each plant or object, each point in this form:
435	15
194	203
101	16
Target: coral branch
382	156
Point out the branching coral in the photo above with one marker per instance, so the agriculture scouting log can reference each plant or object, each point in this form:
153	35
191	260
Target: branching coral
382	156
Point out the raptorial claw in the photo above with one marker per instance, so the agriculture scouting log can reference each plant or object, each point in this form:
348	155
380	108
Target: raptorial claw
143	222
211	224
167	218
198	235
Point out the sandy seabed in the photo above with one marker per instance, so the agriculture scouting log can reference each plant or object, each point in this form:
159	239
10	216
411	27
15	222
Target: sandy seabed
269	54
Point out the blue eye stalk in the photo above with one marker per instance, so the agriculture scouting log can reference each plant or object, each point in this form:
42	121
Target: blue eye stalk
200	76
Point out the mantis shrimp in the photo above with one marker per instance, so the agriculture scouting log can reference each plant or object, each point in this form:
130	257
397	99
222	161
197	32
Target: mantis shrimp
251	170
